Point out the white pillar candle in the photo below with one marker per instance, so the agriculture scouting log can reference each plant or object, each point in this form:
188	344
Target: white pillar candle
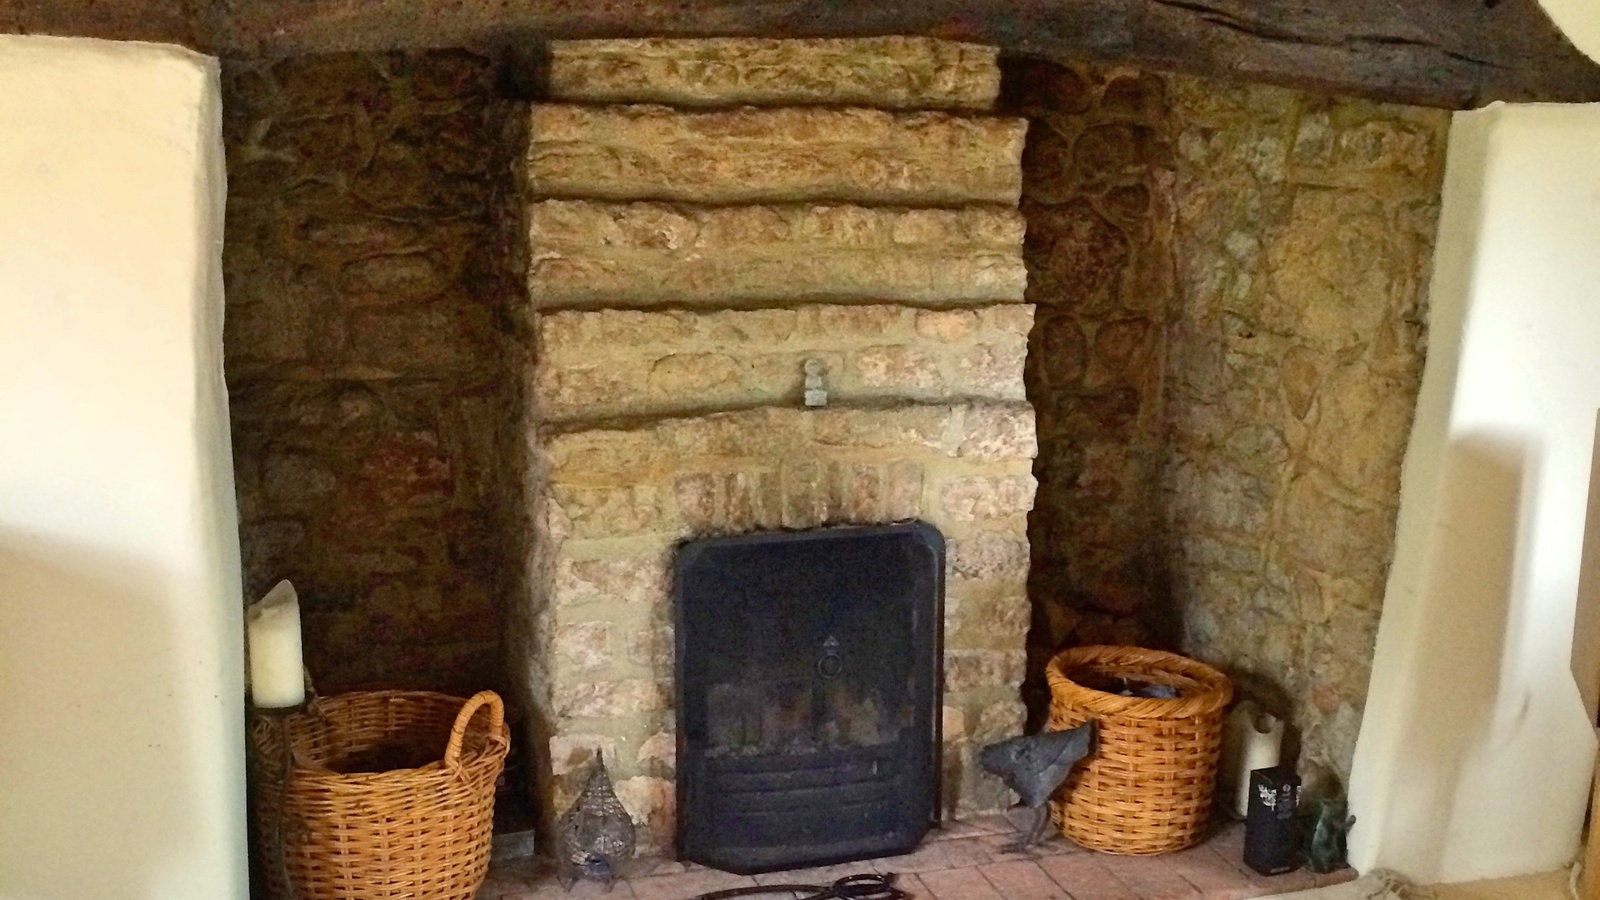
1252	740
277	675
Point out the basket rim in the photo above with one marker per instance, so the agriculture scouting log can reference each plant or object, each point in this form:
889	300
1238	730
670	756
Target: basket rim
494	751
1217	694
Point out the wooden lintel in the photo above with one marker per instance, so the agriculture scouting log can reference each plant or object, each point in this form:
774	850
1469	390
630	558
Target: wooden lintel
1447	53
160	21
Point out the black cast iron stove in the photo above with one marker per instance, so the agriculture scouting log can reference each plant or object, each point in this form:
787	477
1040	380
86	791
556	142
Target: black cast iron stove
808	695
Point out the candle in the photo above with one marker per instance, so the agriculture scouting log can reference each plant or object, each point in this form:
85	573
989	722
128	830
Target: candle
1251	740
277	675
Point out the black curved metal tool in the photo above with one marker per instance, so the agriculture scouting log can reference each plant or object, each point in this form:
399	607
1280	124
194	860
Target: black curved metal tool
852	887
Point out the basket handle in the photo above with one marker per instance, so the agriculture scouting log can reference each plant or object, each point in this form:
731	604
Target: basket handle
458	731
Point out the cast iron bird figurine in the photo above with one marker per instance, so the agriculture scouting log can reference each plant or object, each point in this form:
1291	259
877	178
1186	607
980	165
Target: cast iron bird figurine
1035	766
595	837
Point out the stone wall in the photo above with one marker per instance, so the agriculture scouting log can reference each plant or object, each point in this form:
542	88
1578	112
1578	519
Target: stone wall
1097	195
643	254
1304	246
1230	284
363	359
670	318
884	72
600	363
616	501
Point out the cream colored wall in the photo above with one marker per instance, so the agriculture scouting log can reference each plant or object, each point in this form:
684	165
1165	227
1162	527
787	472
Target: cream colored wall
1475	752
1579	20
121	748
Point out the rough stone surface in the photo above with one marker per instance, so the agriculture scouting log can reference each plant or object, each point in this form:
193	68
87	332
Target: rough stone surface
1229	287
365	378
616	500
773	155
690	266
889	72
1305	237
1096	194
600	363
591	253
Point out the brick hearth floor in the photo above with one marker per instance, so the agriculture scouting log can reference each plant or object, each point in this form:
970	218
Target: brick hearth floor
963	862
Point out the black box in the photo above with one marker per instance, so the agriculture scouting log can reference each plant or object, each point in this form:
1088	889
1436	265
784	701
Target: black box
1270	846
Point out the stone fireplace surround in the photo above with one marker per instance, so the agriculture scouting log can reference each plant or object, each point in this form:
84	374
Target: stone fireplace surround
1197	356
683	263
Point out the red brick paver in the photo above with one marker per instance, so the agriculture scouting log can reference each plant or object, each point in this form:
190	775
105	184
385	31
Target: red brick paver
961	861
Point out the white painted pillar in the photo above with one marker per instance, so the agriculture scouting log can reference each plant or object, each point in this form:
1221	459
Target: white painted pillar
1476	753
121	705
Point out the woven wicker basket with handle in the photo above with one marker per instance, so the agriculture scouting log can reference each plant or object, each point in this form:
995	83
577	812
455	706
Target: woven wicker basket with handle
1147	787
373	810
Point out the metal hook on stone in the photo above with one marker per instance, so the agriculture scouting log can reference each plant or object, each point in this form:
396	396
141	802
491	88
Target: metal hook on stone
816	383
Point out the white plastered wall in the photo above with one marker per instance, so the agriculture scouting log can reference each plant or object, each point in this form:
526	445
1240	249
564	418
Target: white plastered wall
1476	753
1579	20
121	737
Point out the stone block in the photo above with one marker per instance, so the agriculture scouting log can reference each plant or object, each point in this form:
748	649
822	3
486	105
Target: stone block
805	495
652	647
902	491
908	367
998	431
613	457
629	579
984	555
1075	256
596	364
967	670
652	802
861	491
609	699
986	496
584	646
946	325
753	500
271	317
992	370
573	752
296	481
1008	318
432	339
614	512
407	470
661	747
865	321
587	253
919	427
676	375
697	500
999	721
395	278
893	72
751	155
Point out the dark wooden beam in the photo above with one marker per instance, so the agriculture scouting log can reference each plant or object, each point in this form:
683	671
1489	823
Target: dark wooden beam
1448	53
162	21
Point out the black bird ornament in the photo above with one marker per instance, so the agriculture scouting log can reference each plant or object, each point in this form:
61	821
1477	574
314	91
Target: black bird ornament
1035	766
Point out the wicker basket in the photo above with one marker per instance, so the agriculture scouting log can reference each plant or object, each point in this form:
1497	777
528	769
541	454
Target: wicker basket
1147	787
391	795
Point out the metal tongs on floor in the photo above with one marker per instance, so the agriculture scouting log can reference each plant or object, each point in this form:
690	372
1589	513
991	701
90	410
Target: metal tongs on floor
852	887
